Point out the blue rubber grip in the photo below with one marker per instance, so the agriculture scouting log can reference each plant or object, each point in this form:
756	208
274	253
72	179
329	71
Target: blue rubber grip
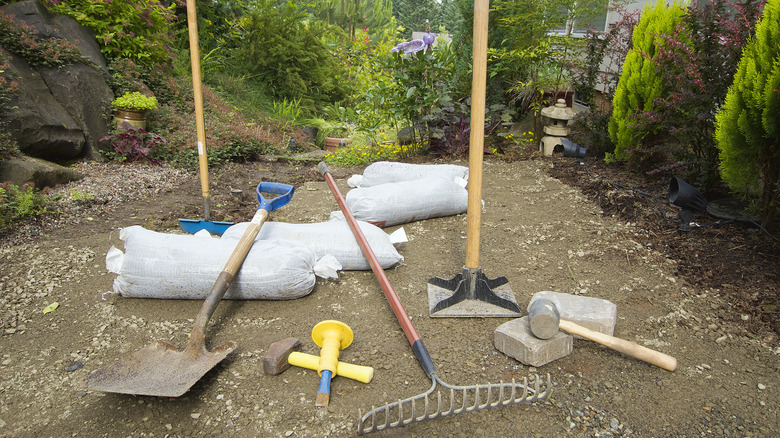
285	192
324	382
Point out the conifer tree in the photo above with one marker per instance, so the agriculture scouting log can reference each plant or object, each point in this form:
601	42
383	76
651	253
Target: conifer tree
748	125
639	82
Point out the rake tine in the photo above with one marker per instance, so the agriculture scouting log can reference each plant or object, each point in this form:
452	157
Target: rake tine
533	393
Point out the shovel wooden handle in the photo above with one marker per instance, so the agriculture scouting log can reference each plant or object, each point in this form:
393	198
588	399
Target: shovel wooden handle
626	347
200	124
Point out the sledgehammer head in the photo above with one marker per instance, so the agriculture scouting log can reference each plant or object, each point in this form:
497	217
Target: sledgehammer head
543	317
275	360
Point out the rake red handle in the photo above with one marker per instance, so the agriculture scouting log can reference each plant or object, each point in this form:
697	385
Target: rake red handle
420	352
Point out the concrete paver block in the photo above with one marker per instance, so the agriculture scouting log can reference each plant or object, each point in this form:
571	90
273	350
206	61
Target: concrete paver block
514	338
594	313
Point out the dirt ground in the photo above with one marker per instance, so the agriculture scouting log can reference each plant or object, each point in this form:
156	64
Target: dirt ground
709	299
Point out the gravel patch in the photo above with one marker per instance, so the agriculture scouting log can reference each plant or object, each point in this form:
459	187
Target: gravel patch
104	188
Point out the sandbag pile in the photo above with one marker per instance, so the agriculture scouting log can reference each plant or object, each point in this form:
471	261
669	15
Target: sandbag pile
285	259
396	193
175	266
333	237
383	172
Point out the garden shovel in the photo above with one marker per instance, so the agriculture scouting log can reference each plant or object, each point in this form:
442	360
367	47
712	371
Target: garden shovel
193	225
160	369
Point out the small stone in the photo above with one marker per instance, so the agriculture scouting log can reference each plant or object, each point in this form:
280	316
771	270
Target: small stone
168	426
721	339
761	386
76	365
195	415
288	433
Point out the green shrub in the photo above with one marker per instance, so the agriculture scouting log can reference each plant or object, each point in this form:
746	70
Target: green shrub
141	30
748	125
590	129
640	83
697	62
22	40
283	50
420	85
19	203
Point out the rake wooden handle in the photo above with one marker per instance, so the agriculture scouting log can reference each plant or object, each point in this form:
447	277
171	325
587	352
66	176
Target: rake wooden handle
626	347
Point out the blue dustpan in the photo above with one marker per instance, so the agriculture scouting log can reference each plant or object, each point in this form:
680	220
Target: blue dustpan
192	226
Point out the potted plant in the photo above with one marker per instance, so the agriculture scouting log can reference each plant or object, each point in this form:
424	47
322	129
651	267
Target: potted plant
330	134
132	108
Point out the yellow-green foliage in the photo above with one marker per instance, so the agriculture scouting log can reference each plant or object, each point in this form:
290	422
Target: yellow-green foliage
639	83
747	127
364	154
135	100
19	203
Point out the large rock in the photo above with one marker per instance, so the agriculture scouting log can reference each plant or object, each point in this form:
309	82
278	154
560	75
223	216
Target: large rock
42	173
38	122
58	113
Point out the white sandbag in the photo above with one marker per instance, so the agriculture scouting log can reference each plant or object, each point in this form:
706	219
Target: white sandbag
407	201
333	237
176	266
383	172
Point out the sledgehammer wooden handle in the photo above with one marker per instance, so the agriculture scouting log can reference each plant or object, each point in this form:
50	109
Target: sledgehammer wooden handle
626	347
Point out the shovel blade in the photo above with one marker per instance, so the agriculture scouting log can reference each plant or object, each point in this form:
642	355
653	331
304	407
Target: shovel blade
192	226
158	370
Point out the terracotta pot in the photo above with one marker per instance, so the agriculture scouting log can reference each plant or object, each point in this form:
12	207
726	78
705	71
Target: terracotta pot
333	143
134	117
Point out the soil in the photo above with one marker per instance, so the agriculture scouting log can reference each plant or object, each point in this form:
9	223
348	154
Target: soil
708	298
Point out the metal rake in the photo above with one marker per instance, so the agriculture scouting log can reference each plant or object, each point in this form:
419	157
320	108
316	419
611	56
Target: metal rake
458	403
459	395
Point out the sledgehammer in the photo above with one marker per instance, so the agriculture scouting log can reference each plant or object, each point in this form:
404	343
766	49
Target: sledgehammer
544	319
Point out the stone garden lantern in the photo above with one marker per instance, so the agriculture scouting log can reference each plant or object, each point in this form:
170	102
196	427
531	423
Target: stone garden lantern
558	117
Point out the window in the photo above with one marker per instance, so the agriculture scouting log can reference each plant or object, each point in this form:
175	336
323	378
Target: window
596	20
